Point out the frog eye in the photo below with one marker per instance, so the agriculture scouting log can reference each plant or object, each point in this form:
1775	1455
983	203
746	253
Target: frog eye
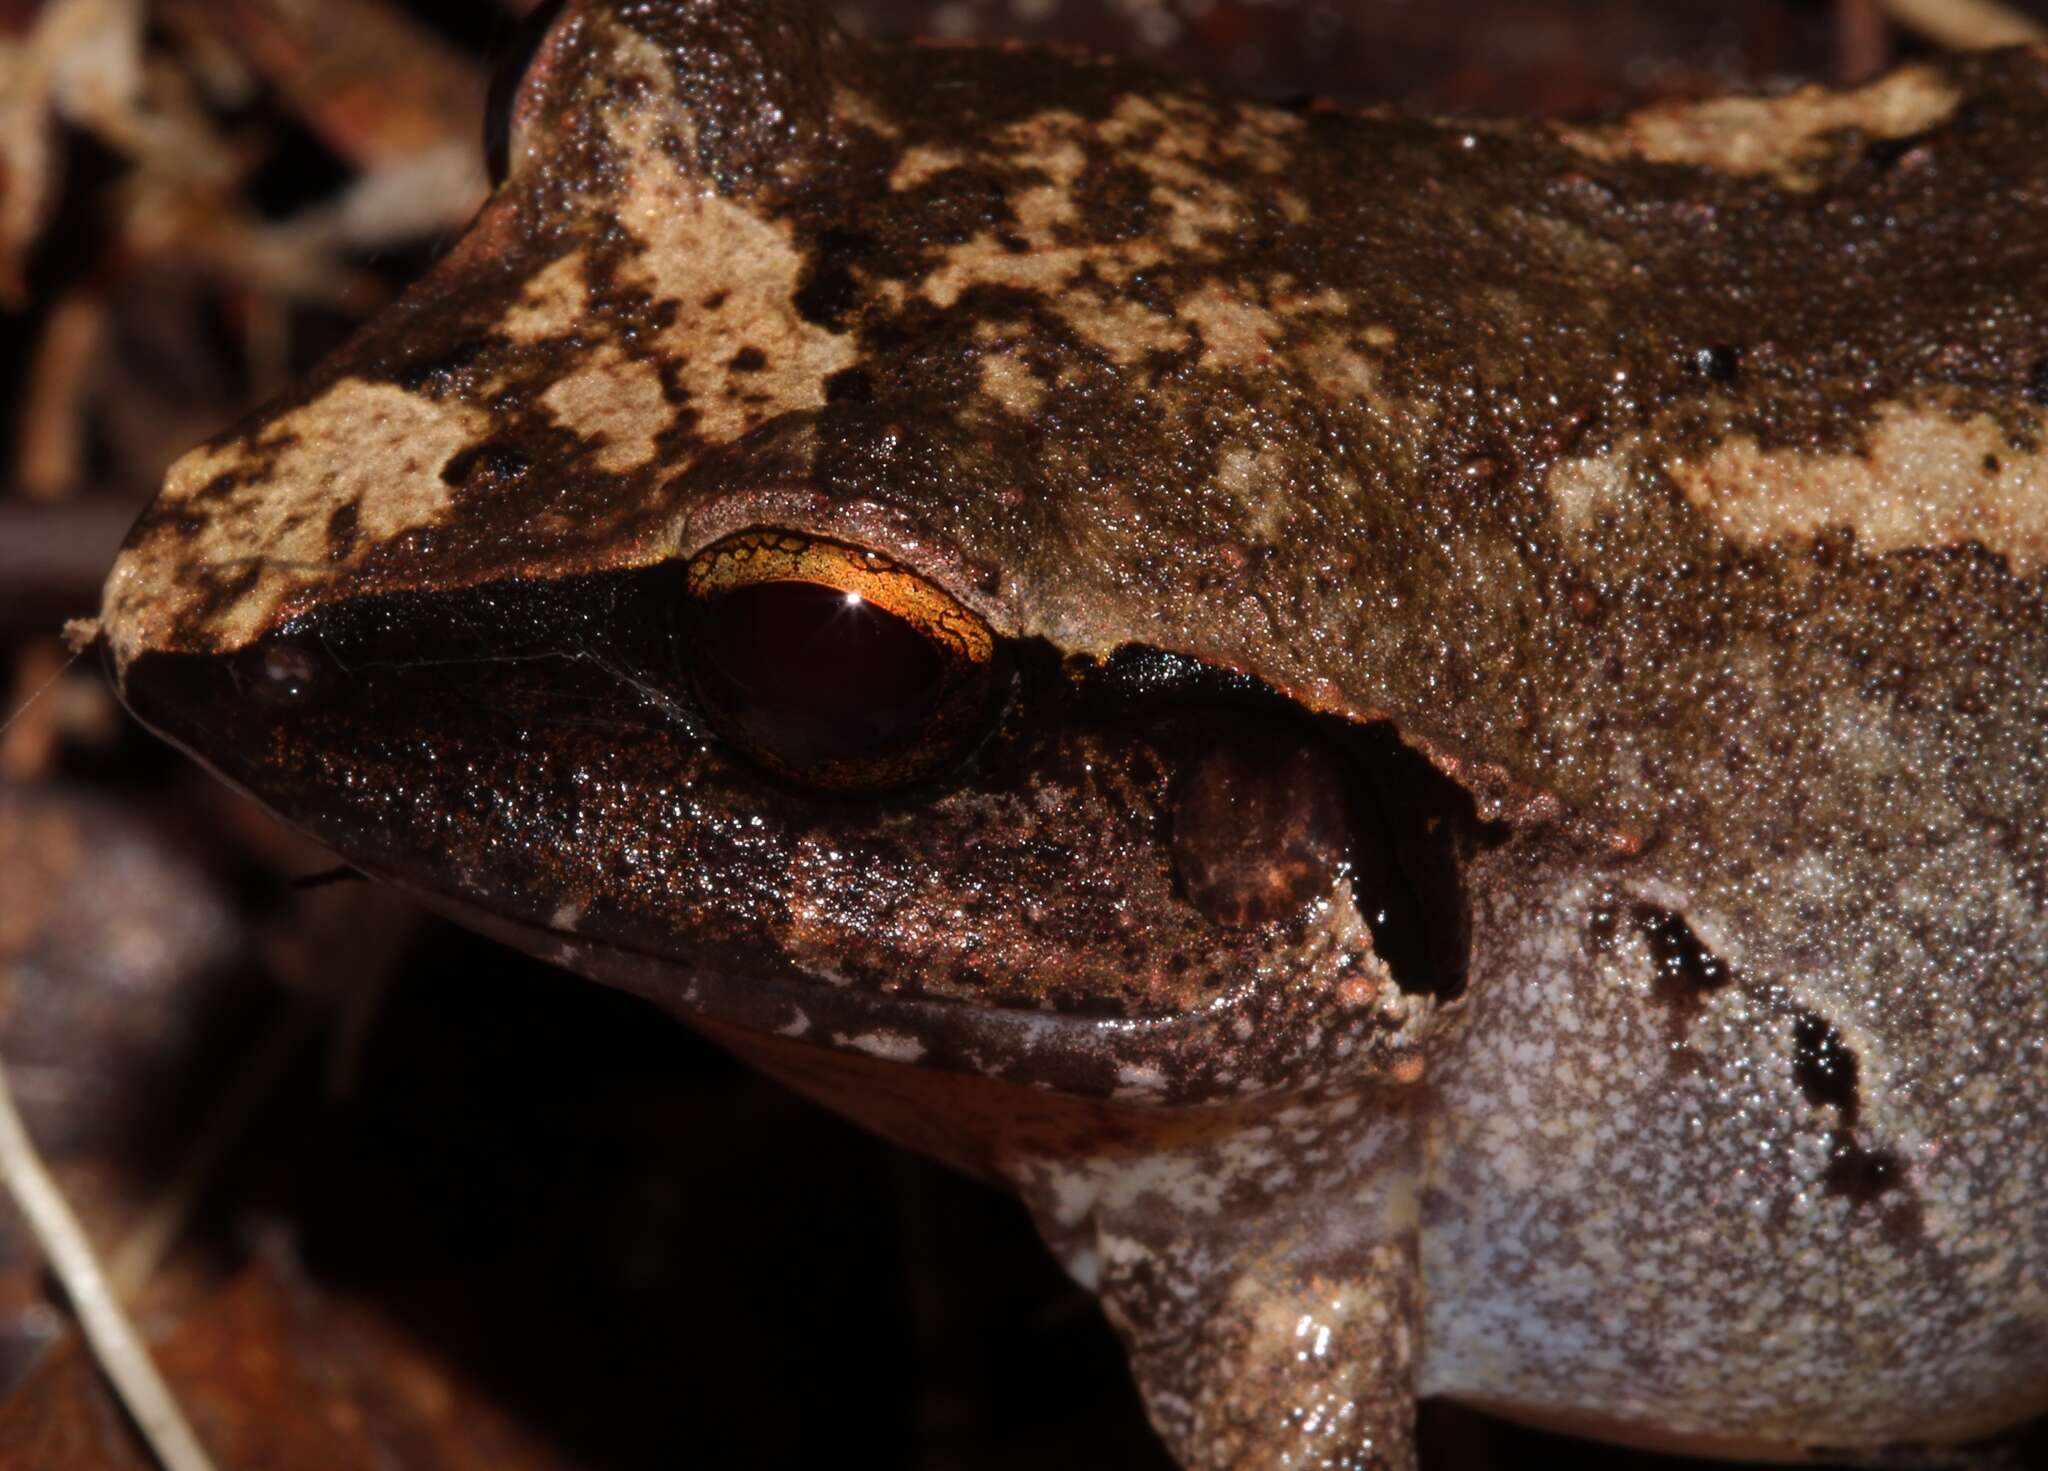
833	666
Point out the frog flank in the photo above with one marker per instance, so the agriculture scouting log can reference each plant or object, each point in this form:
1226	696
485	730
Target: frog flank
1432	737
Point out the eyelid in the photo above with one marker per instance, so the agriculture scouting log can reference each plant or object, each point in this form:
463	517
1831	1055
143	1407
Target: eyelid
764	555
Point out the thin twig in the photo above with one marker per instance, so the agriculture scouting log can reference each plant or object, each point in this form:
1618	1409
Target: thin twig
151	1238
42	711
111	1336
1965	24
50	432
39	680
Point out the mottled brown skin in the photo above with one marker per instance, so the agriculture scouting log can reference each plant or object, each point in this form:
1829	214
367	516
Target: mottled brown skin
1605	567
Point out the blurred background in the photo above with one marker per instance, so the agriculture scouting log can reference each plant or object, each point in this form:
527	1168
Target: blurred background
384	1195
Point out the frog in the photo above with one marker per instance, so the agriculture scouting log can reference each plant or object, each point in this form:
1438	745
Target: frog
1429	735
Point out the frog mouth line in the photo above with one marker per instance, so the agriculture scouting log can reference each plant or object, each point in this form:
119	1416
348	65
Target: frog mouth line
769	1003
1237	1034
1187	1058
1101	1057
1127	1059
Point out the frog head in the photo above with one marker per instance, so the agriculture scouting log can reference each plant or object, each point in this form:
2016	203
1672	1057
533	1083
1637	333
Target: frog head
1278	681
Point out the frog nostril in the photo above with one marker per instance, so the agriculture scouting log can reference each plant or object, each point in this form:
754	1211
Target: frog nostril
285	672
1260	829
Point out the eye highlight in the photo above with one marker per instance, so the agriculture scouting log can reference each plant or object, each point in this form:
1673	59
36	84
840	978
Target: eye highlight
831	665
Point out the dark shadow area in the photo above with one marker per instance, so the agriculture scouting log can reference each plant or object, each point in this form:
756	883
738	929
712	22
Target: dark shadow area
659	1259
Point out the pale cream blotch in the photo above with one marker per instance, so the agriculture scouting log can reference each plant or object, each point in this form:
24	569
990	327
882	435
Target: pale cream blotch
704	250
616	401
554	303
1125	330
1236	332
1921	479
1083	281
887	1045
367	453
1048	143
1781	136
1262	479
864	111
1339	360
1011	384
1925	479
734	274
921	163
1181	148
1585	490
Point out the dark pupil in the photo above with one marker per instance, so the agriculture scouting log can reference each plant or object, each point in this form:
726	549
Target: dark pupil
811	674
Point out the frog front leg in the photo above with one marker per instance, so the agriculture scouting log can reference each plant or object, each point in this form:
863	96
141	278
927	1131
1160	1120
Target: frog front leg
1265	1281
1276	1359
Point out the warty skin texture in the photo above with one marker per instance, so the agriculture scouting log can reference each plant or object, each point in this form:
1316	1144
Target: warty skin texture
1638	531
